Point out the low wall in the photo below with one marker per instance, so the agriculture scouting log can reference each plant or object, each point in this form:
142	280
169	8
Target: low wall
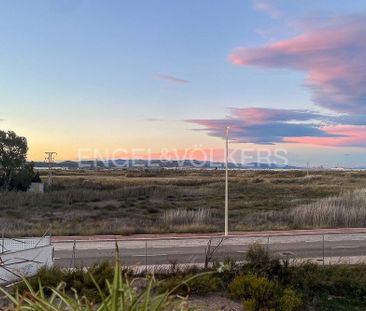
14	245
23	258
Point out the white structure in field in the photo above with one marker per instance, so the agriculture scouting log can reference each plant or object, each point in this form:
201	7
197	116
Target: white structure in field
36	187
23	257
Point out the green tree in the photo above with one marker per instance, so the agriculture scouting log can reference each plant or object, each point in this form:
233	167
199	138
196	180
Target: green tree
23	178
13	156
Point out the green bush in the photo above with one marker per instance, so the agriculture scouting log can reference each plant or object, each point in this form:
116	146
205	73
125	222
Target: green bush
227	269
246	287
289	301
260	262
250	304
259	293
83	283
49	277
121	296
81	280
319	285
206	283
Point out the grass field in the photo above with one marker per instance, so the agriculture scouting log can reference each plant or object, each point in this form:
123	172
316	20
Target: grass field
126	202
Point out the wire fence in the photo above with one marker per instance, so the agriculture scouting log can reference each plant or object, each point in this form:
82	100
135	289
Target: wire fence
23	257
321	248
10	245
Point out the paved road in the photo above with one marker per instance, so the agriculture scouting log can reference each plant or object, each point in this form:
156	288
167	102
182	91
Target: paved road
136	251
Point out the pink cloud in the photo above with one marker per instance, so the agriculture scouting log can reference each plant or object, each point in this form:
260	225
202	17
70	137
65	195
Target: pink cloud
266	125
333	57
332	53
349	136
271	126
260	115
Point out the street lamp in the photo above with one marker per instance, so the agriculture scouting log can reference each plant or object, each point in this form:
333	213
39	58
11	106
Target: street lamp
226	182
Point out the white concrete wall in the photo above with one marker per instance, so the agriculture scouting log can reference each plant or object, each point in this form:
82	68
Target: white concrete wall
24	263
36	188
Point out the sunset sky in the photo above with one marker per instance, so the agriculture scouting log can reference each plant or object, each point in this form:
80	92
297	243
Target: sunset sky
163	74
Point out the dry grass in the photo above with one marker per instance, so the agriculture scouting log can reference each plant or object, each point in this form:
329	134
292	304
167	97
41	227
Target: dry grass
183	217
345	210
112	202
183	220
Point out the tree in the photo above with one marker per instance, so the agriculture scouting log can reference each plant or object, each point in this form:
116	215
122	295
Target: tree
13	156
23	178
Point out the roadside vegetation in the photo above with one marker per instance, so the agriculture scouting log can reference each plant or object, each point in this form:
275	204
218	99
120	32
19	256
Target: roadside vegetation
154	201
260	282
116	293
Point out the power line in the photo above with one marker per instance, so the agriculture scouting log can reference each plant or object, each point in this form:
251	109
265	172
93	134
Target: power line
50	159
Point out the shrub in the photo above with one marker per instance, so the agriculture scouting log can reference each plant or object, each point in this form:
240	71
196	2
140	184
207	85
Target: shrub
83	281
206	283
320	283
121	296
246	287
84	284
228	269
257	254
250	304
259	293
260	262
289	301
49	277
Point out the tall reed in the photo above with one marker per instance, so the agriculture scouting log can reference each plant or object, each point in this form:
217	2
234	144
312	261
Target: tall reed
345	210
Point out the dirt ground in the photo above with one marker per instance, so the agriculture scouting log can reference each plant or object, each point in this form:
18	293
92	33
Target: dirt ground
213	303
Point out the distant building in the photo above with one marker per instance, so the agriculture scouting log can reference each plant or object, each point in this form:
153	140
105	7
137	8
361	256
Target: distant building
36	187
338	168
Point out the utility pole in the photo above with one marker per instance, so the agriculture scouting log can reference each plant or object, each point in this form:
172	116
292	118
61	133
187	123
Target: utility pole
50	158
226	183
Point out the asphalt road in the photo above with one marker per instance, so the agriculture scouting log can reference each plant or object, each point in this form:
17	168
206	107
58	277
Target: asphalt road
138	251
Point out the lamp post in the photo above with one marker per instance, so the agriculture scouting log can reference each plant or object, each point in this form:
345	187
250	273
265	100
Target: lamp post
226	183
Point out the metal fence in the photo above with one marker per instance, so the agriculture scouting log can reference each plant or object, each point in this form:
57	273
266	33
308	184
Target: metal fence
23	257
321	248
9	245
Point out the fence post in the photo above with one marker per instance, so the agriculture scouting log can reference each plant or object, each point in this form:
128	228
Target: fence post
268	243
323	250
2	241
73	255
146	257
207	253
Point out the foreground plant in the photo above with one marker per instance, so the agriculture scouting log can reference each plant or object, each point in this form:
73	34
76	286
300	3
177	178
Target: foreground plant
121	296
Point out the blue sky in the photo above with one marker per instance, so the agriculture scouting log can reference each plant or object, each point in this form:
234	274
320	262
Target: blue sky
88	74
